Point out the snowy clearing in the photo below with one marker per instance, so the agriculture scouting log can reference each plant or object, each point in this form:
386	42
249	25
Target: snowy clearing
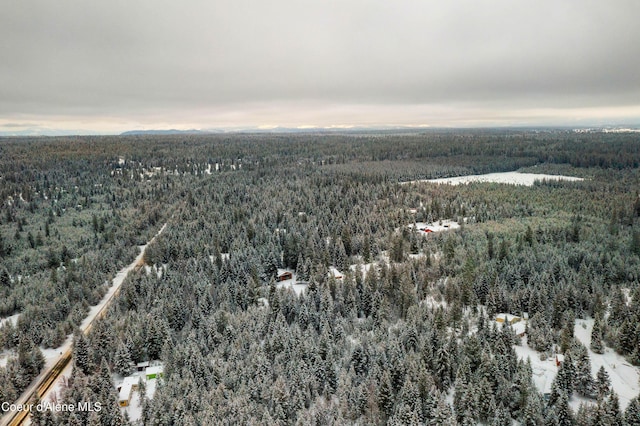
544	371
439	226
624	376
364	268
134	409
292	283
13	319
512	178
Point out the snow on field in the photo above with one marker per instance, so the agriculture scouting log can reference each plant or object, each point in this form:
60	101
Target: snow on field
134	409
433	303
13	319
158	271
544	371
439	226
4	358
364	268
293	284
416	256
333	272
624	376
513	178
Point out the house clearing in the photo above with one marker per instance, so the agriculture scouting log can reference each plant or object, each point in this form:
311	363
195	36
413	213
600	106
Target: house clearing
129	388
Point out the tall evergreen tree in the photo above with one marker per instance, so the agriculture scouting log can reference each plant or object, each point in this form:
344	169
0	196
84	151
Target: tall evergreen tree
81	353
632	413
603	383
596	336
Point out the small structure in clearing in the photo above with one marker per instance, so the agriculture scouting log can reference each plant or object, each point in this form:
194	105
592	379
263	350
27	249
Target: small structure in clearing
517	324
443	225
284	275
154	372
129	384
333	272
511	319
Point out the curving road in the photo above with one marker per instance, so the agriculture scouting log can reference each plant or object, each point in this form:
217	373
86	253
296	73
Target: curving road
49	376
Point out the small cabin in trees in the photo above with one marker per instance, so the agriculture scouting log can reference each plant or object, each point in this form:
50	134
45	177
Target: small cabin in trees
154	372
519	327
511	319
129	384
284	275
333	272
141	366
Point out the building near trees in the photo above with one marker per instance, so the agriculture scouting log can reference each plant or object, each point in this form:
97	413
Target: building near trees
154	372
125	390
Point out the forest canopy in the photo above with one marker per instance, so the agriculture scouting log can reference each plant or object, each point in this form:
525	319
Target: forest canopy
405	335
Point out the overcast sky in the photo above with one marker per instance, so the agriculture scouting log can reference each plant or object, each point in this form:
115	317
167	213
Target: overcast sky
115	65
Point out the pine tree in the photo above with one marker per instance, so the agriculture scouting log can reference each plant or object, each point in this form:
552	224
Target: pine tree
632	413
442	414
612	410
532	413
501	417
603	383
486	402
81	353
443	368
563	411
122	360
596	336
5	279
583	381
385	394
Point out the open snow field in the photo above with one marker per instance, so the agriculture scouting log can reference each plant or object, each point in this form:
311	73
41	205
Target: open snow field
512	178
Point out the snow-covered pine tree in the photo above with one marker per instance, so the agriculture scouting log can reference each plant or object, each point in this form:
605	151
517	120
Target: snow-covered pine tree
603	383
632	413
583	380
122	361
596	336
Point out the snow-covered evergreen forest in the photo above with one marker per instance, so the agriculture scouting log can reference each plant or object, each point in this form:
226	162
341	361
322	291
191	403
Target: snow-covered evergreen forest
406	334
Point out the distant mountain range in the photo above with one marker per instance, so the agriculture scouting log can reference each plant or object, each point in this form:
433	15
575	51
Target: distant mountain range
163	132
42	131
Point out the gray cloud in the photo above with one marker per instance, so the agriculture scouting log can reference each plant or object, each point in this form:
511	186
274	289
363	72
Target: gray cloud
154	60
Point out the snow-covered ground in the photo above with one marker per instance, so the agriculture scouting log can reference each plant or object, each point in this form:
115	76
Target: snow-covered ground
293	284
513	178
624	376
4	355
158	271
544	371
364	268
13	319
134	409
333	272
439	226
